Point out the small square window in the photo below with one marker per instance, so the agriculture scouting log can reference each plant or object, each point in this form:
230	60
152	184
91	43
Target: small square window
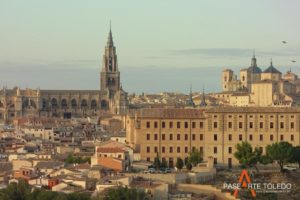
215	150
215	137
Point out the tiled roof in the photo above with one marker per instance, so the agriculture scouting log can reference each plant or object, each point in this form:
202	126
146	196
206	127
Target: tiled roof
272	69
170	113
253	110
110	150
49	164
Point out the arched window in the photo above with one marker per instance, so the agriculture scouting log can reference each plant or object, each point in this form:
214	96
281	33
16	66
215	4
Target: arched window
44	104
54	103
104	105
74	104
64	104
113	81
84	104
93	104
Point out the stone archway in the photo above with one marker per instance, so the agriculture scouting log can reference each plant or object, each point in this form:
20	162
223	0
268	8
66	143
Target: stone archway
29	104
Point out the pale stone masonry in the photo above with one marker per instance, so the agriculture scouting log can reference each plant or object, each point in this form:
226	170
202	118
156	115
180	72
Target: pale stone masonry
174	133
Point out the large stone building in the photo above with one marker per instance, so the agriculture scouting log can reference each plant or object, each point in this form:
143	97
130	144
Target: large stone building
66	103
259	88
174	133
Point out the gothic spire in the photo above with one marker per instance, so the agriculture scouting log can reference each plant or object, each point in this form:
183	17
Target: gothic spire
110	42
190	101
203	102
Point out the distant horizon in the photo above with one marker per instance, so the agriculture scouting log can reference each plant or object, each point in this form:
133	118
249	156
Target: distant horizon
133	79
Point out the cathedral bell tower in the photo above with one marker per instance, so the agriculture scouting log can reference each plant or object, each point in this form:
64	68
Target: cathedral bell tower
110	75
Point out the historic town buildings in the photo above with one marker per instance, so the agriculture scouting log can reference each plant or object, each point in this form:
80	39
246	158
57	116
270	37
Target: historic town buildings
259	88
66	103
174	133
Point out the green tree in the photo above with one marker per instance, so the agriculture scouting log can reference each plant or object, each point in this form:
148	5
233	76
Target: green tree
246	156
77	159
157	161
179	163
123	193
189	166
15	191
70	159
281	152
296	155
164	163
46	195
78	196
195	157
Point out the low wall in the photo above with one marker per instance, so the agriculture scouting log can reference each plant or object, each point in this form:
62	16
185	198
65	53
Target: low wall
182	177
206	189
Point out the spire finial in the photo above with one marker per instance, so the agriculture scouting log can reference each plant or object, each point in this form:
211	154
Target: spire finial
271	62
202	102
253	53
109	25
110	39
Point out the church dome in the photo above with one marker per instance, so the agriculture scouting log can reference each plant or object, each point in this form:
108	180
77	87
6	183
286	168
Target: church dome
272	69
254	70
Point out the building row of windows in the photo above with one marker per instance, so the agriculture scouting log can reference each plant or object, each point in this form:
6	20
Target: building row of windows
215	125
261	137
171	137
261	125
172	125
252	116
180	137
171	149
229	150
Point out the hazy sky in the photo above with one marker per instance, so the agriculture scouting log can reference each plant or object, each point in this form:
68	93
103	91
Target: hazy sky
162	45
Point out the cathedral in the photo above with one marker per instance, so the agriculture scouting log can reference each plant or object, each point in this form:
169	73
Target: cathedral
256	87
111	98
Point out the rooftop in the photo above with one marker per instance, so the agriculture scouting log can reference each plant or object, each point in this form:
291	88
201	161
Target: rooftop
170	113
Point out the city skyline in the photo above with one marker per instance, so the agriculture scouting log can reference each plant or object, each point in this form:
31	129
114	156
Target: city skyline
181	46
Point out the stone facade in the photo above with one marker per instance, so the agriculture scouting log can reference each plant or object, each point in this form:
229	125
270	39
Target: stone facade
67	103
175	133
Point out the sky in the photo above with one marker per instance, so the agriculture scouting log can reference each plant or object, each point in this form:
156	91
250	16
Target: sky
162	45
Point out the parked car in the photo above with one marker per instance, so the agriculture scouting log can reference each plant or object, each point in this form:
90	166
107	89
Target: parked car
168	170
150	170
290	168
165	170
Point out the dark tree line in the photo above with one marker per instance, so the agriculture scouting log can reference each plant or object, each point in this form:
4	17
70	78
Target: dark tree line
22	191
